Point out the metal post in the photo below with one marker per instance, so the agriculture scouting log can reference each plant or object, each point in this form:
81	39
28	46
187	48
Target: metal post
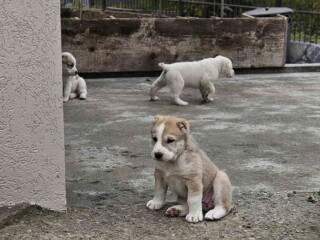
80	9
181	8
160	7
278	3
222	8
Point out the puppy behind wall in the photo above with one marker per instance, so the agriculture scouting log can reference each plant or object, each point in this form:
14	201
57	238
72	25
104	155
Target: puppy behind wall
198	74
181	165
73	85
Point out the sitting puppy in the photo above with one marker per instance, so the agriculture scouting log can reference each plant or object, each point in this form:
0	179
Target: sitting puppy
184	167
73	85
198	74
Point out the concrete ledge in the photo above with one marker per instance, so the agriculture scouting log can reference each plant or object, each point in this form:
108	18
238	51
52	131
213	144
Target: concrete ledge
288	68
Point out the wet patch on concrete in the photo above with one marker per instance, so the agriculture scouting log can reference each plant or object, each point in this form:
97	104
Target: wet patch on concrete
252	128
145	182
218	116
261	164
93	158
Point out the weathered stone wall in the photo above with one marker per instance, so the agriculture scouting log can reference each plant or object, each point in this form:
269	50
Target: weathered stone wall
32	167
116	45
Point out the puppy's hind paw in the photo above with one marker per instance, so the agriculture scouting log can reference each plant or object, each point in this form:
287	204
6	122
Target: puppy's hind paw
155	98
82	96
194	217
154	205
215	214
172	212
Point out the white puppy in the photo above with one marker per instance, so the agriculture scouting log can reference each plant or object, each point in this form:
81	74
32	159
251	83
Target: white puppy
73	85
198	74
181	165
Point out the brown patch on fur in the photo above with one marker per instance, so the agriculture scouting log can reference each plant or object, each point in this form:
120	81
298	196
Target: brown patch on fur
172	128
160	184
195	187
156	122
177	127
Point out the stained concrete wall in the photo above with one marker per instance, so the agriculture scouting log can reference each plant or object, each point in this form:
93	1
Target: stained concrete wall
32	167
117	45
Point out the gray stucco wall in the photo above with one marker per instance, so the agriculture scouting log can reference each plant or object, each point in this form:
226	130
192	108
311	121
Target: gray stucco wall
32	167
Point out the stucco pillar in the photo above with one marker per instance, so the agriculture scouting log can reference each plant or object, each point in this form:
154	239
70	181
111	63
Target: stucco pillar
32	167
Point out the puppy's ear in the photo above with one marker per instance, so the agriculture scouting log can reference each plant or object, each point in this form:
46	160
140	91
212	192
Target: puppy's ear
183	125
64	57
156	119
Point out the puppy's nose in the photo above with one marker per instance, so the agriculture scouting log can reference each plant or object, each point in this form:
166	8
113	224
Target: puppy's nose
76	73
158	155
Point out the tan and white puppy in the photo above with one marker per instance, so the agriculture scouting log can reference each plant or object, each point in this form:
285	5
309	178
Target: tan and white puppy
181	165
73	85
198	74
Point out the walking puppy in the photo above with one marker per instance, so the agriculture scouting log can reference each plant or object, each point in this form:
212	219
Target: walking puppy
198	74
73	85
184	167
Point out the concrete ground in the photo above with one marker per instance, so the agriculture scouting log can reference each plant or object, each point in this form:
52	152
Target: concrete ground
264	130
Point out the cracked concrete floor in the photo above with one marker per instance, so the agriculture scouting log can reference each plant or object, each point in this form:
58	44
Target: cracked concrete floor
264	130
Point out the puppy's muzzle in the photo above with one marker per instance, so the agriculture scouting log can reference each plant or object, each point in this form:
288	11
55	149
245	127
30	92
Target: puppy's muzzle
76	73
158	155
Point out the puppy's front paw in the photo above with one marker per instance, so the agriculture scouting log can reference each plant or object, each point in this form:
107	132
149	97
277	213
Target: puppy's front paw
72	95
216	213
182	103
154	205
208	99
195	217
177	211
65	99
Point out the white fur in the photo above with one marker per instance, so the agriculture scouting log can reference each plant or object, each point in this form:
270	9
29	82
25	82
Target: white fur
158	148
195	209
198	74
155	204
73	85
216	213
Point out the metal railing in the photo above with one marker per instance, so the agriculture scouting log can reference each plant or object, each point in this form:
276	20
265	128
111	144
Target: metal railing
304	23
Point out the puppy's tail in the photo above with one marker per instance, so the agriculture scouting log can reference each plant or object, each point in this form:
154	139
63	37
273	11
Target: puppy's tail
163	66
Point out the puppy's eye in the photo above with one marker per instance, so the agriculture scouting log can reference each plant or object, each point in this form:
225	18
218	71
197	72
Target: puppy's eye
70	65
155	139
170	140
